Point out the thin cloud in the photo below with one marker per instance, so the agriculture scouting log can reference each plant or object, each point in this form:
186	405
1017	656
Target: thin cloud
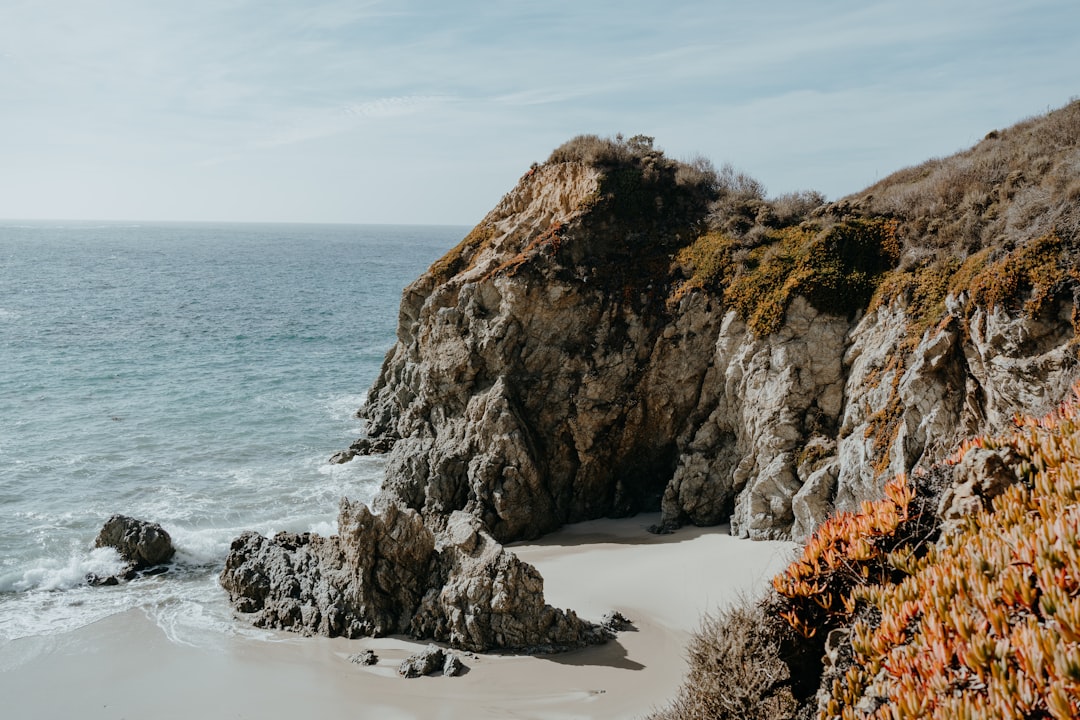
825	95
315	124
394	106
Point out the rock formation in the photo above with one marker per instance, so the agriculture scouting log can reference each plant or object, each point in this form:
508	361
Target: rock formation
140	543
430	660
364	657
565	362
389	573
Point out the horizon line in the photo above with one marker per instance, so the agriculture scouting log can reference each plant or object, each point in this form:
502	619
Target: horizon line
7	221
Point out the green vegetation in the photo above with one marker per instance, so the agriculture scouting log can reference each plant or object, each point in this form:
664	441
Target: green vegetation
836	270
1035	274
706	264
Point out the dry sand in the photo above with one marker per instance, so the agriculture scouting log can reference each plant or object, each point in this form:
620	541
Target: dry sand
127	667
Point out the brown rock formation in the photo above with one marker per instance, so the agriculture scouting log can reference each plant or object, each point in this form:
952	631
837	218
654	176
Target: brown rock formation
386	573
624	332
565	362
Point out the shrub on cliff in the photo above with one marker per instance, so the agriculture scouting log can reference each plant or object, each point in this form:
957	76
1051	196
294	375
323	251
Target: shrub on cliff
987	625
837	269
605	152
736	671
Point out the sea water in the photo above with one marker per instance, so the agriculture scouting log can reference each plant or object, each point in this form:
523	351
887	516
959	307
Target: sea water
195	375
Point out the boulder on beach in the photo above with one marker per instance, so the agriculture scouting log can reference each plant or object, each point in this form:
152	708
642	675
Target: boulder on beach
140	543
432	659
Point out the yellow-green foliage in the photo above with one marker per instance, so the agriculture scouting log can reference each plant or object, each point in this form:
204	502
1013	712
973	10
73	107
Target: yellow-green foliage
709	263
987	623
1027	278
1034	272
923	289
836	269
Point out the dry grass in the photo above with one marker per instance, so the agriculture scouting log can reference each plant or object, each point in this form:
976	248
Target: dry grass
736	670
1016	184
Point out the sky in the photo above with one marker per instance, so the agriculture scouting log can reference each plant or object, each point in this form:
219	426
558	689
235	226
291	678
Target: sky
410	111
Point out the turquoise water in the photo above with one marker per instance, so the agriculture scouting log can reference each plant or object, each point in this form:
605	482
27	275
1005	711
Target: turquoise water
197	375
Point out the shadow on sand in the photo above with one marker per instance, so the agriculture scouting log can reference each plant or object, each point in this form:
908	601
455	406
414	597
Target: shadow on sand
623	531
610	654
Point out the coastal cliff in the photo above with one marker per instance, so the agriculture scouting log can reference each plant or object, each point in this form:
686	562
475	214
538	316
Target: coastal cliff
624	332
609	339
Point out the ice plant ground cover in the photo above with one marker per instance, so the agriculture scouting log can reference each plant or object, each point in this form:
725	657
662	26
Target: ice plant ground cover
983	623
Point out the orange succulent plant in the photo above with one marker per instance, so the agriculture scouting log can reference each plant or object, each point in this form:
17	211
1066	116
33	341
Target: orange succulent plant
987	622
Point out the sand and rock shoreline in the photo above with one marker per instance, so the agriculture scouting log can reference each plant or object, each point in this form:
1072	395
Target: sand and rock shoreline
593	566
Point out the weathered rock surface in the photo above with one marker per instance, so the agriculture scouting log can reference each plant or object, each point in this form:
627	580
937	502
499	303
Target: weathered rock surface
364	657
389	573
575	357
980	476
430	660
140	543
537	379
535	382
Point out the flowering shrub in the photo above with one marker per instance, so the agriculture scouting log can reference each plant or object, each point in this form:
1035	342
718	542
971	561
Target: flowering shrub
987	625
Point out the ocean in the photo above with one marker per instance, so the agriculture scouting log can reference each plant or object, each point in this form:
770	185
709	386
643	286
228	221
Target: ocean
195	375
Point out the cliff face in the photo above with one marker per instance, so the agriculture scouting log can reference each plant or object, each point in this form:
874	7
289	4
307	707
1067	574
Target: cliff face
565	362
538	378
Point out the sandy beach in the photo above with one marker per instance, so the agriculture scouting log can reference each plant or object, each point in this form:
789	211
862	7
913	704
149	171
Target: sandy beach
128	667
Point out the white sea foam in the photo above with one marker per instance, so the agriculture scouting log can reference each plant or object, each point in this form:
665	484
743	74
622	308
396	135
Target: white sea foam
345	406
324	528
202	547
53	574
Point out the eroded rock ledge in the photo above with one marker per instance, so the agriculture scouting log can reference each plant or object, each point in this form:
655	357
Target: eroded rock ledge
390	574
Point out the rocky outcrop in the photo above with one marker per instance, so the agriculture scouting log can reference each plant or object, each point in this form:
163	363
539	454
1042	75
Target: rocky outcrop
765	402
389	573
140	543
364	657
543	382
547	372
980	476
